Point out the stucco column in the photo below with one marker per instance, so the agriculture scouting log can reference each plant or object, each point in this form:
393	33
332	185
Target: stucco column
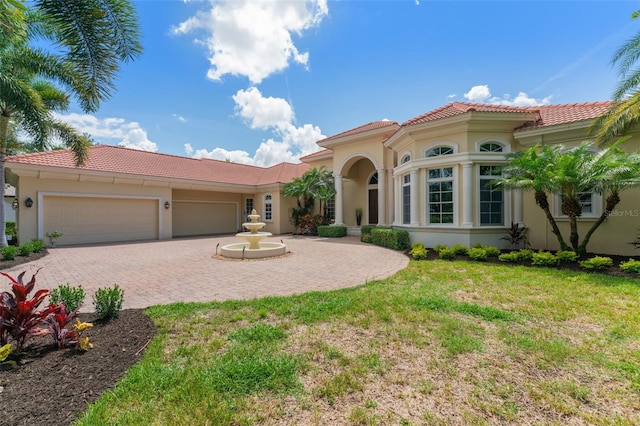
415	205
390	196
396	200
382	192
467	195
338	184
517	206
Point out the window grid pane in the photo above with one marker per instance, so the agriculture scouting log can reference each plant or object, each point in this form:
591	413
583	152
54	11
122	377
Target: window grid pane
440	195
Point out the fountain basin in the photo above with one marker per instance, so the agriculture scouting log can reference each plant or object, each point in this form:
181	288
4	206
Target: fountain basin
267	249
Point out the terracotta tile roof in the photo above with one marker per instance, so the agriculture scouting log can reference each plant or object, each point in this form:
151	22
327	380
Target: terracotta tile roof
374	125
320	153
552	115
547	115
113	159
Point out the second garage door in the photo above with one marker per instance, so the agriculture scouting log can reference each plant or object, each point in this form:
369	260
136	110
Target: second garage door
204	218
99	220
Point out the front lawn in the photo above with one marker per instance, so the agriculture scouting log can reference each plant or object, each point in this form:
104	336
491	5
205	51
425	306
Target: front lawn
438	343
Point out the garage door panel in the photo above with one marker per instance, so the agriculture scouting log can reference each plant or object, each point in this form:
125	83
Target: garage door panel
198	218
95	220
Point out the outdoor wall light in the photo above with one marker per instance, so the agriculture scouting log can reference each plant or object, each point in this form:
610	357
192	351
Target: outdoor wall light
166	205
28	202
15	204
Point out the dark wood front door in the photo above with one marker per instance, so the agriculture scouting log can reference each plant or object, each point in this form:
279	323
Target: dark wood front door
373	207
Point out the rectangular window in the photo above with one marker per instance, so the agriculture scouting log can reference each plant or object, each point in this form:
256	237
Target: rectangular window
268	208
248	207
331	208
491	197
586	199
440	195
406	199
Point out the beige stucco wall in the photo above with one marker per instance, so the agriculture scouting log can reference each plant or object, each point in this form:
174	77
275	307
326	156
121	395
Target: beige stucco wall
27	218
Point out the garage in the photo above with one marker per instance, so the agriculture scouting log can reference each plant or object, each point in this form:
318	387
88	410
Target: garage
204	218
84	220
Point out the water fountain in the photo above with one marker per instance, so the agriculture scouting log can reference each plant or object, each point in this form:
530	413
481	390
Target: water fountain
254	247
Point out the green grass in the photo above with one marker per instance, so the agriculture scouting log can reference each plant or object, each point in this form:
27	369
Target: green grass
485	343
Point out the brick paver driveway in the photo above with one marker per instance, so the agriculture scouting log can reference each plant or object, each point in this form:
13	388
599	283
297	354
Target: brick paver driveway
185	270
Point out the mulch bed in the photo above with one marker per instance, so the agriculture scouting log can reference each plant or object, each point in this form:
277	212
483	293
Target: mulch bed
49	386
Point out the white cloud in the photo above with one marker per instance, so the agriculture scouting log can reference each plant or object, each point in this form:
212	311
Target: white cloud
482	94
253	38
451	96
110	130
179	118
272	114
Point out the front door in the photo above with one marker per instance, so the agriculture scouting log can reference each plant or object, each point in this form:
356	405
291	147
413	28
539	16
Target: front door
373	207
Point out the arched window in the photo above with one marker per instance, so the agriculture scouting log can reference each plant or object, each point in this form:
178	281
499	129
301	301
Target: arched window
268	207
491	147
439	150
405	159
373	180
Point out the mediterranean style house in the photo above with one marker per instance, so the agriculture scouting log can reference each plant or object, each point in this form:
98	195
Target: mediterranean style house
427	175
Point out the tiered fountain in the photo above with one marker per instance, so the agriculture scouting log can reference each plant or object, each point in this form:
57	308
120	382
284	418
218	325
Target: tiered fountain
254	247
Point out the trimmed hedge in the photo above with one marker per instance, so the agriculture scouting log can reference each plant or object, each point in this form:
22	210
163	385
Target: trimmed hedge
332	231
395	239
365	233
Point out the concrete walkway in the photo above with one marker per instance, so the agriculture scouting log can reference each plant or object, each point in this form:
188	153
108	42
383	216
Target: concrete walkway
186	270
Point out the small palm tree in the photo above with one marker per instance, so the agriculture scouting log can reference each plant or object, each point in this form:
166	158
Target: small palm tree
570	173
314	184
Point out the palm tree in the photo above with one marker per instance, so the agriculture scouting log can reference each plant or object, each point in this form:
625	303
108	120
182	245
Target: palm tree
625	112
313	184
570	174
91	38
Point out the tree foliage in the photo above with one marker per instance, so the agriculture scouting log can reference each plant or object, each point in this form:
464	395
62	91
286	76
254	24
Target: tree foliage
569	173
315	184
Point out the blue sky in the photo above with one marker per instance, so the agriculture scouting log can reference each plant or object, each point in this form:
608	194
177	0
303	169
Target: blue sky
260	82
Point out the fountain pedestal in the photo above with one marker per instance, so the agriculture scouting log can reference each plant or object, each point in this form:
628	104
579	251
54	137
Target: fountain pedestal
253	248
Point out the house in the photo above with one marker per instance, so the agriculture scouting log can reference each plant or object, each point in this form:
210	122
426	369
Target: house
426	175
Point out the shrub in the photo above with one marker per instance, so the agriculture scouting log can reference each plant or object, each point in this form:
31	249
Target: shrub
525	254
25	249
37	245
439	247
365	233
19	314
447	254
516	234
509	257
477	253
62	332
597	262
108	302
460	249
9	252
631	265
395	239
492	251
418	251
10	229
567	255
332	231
544	258
71	297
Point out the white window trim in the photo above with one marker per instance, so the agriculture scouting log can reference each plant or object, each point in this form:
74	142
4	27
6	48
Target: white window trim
405	158
506	146
456	199
402	186
264	206
443	144
597	206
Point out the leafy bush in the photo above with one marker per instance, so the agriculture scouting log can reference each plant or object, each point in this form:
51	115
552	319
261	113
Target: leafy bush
37	245
492	251
395	239
71	297
477	253
516	234
10	229
9	252
108	302
365	233
544	258
418	251
25	249
308	224
597	262
509	257
63	333
460	249
439	247
332	231
525	254
567	255
19	314
631	265
5	351
447	254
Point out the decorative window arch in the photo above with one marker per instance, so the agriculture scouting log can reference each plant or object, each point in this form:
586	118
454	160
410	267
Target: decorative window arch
373	180
493	145
268	208
439	149
405	158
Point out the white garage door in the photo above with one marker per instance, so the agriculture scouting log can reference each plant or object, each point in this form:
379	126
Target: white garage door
100	220
203	218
